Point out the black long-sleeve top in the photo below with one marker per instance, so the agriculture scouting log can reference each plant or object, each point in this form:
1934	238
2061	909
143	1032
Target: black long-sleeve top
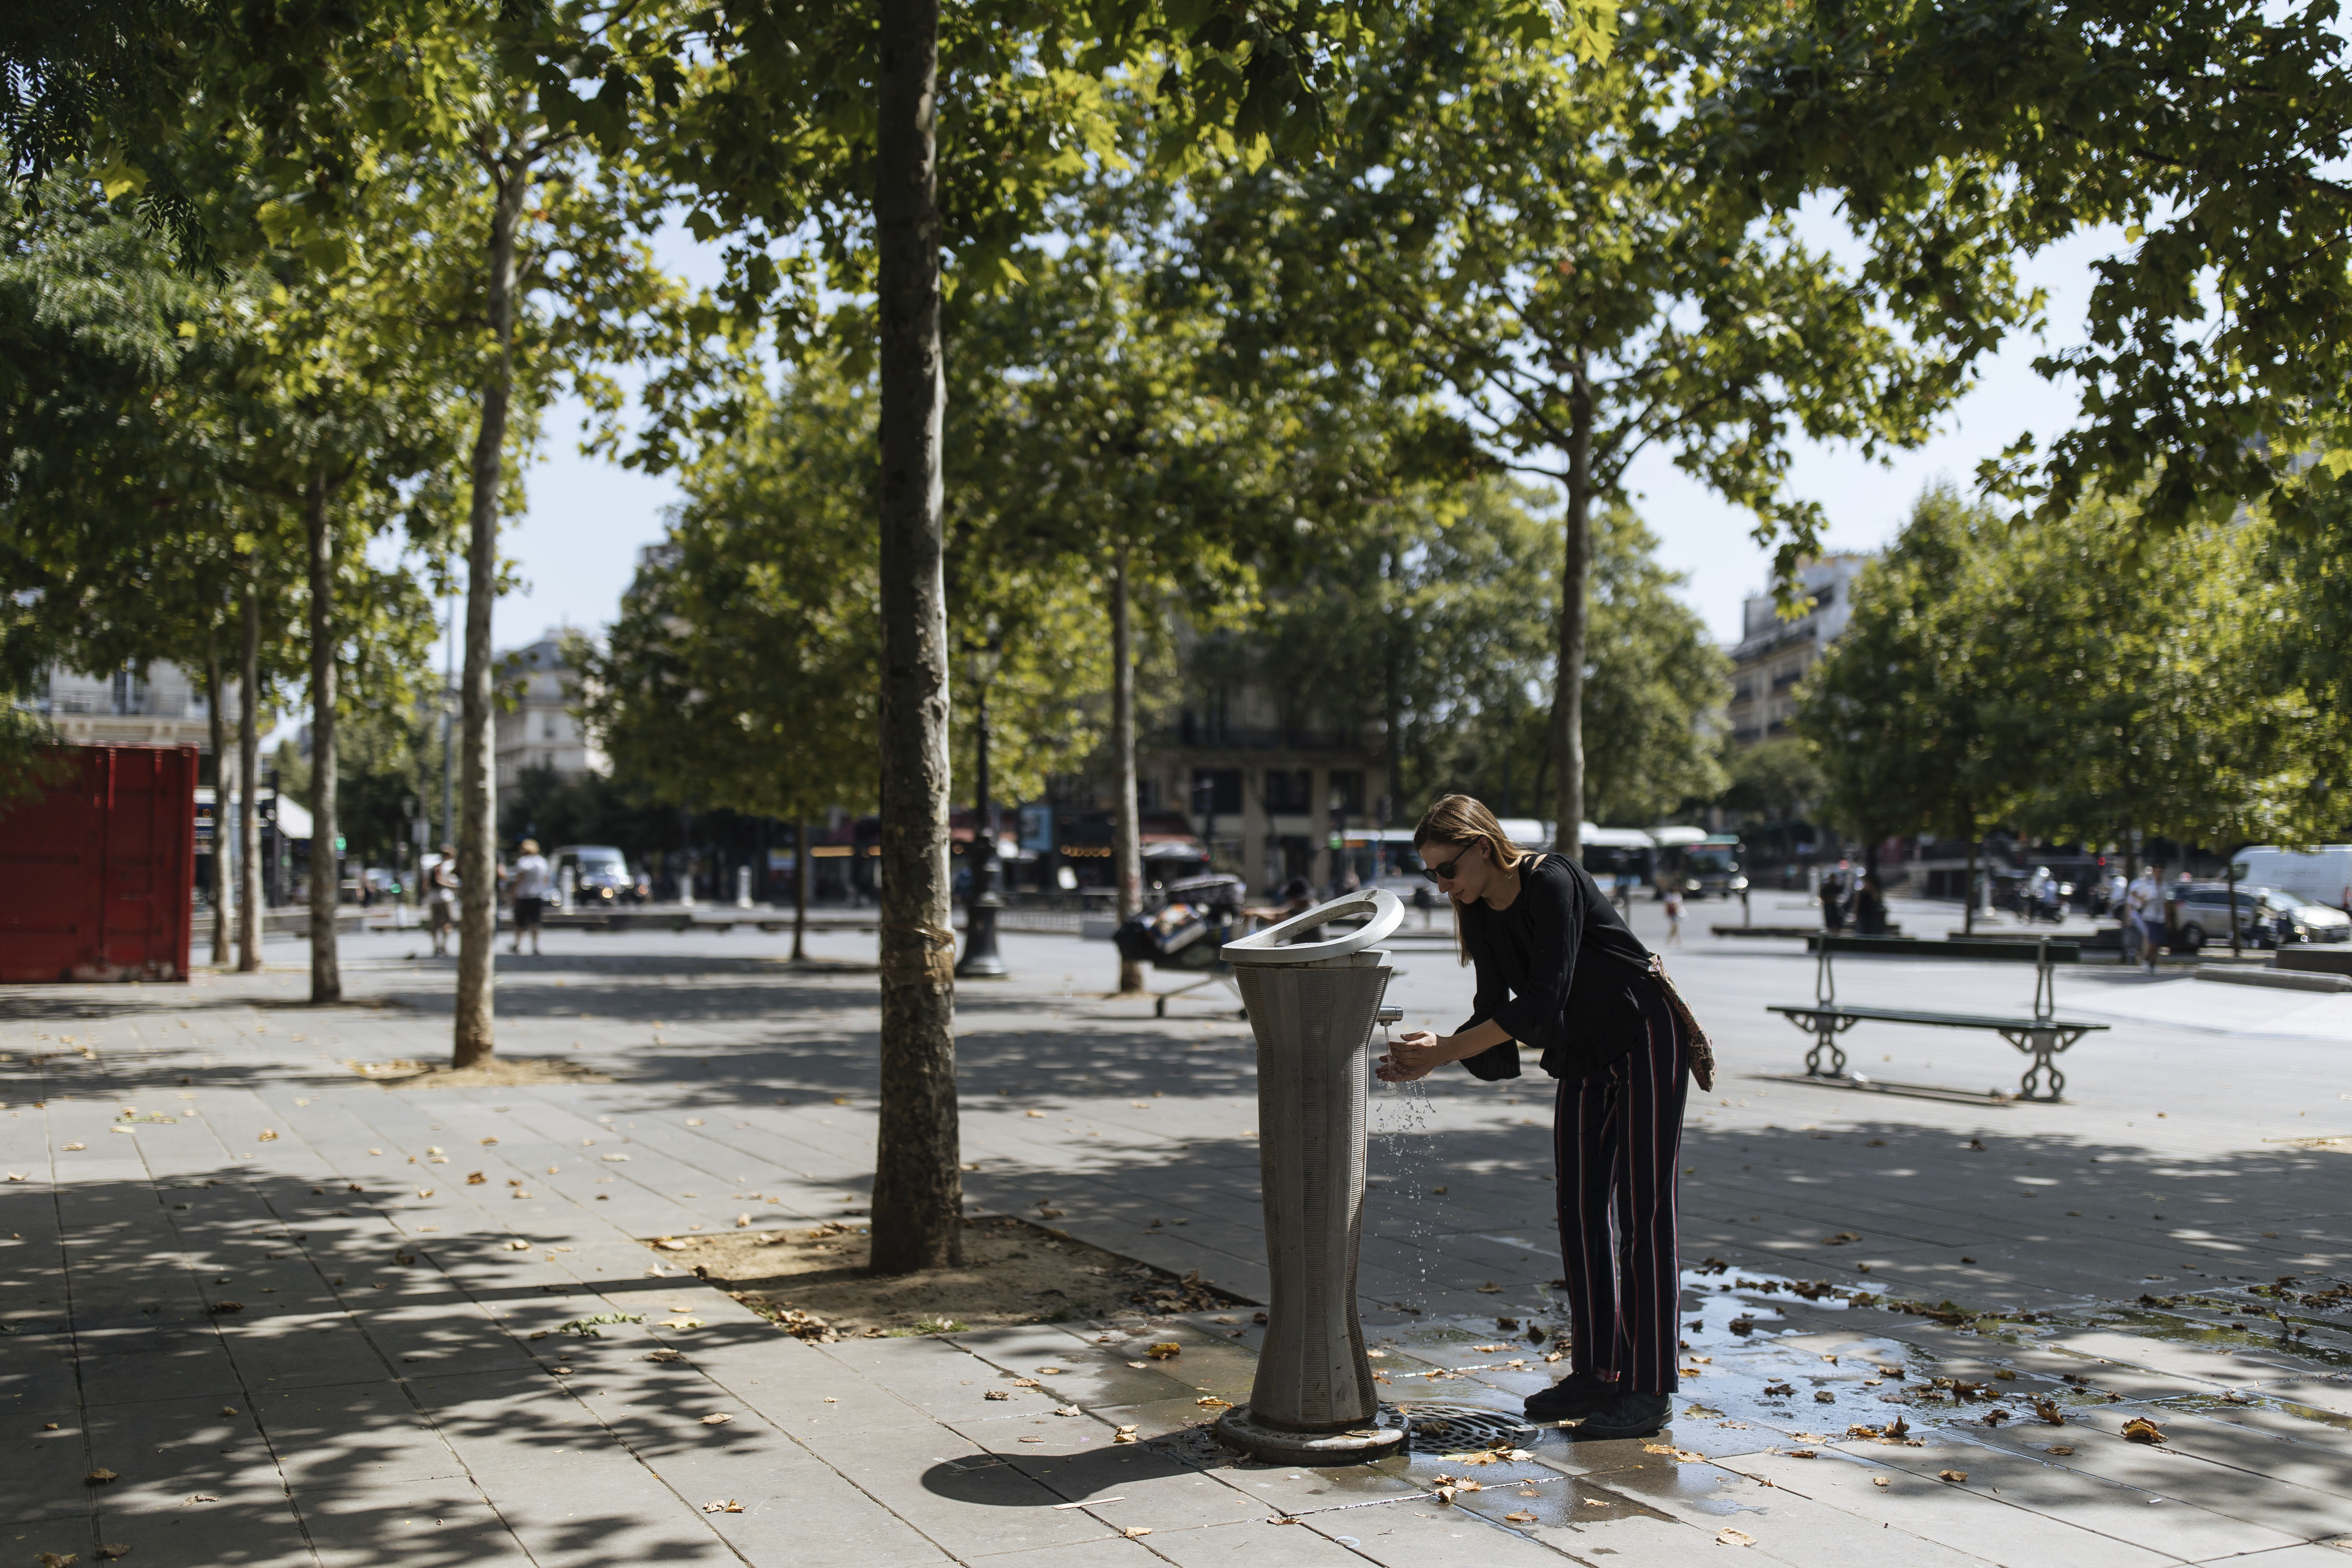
1558	970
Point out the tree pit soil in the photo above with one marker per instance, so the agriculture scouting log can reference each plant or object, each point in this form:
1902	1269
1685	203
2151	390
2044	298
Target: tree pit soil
814	1283
498	1072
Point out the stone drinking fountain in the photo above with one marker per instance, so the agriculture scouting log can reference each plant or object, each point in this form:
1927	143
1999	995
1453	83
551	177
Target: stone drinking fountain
1313	1005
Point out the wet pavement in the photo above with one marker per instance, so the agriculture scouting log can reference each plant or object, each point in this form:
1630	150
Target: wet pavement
270	1299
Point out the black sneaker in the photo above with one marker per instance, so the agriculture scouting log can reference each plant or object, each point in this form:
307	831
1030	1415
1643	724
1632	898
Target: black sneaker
1629	1414
1572	1398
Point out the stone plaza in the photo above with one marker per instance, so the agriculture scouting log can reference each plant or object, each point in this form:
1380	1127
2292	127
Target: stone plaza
258	1309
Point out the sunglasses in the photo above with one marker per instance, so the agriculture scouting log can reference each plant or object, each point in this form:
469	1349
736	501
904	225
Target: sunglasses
1444	873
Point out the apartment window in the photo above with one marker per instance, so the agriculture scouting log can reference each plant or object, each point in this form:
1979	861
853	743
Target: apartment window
1289	792
554	727
129	692
1348	791
1217	790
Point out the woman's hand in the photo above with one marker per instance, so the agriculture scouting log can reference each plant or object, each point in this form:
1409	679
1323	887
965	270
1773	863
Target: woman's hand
1415	1056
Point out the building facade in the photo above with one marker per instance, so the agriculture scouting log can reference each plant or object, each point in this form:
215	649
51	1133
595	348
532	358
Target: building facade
1773	655
1266	798
542	731
155	704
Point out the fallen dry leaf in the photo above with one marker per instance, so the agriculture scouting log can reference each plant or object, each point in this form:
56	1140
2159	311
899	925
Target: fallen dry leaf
59	1558
517	1245
664	1354
1802	1454
1132	1531
76	1146
265	1136
614	1158
1163	1350
476	1179
1211	1402
1953	1476
2140	1430
113	1549
1490	1288
1068	1410
1840	1239
1124	1435
2062	1449
679	1324
1727	1536
424	1191
98	1478
1880	1481
996	1393
717	1420
1522	1517
722	1505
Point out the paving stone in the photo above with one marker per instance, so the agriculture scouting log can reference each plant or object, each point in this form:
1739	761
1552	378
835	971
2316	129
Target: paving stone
440	1522
253	1527
617	1511
41	1478
354	1435
957	1494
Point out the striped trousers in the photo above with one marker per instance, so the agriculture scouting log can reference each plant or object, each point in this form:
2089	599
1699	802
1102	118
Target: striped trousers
1616	1140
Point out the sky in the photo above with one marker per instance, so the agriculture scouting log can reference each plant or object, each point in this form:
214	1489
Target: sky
577	546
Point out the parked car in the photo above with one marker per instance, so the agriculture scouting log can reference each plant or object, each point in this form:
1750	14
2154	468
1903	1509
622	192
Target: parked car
2299	920
2267	917
598	875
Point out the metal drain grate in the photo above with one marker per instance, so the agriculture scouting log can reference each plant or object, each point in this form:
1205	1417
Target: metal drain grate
1453	1427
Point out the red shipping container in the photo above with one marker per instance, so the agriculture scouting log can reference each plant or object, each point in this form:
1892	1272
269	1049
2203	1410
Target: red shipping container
100	870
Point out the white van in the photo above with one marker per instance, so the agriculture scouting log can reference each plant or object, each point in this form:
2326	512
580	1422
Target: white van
2322	876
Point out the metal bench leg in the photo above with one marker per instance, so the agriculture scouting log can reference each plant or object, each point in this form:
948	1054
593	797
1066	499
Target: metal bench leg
1825	1033
2042	1080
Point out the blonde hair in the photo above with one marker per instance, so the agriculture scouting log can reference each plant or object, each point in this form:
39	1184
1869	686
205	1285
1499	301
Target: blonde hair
1464	819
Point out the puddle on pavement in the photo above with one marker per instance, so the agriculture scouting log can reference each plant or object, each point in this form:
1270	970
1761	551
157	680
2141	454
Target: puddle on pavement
1774	1361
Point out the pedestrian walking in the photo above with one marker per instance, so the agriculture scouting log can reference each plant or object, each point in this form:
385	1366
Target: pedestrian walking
1674	916
441	898
2143	914
530	886
1558	972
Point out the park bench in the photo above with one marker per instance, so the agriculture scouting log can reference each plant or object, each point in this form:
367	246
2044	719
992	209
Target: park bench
2041	1036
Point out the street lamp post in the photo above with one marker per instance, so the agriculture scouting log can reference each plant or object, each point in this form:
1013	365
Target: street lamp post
980	959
